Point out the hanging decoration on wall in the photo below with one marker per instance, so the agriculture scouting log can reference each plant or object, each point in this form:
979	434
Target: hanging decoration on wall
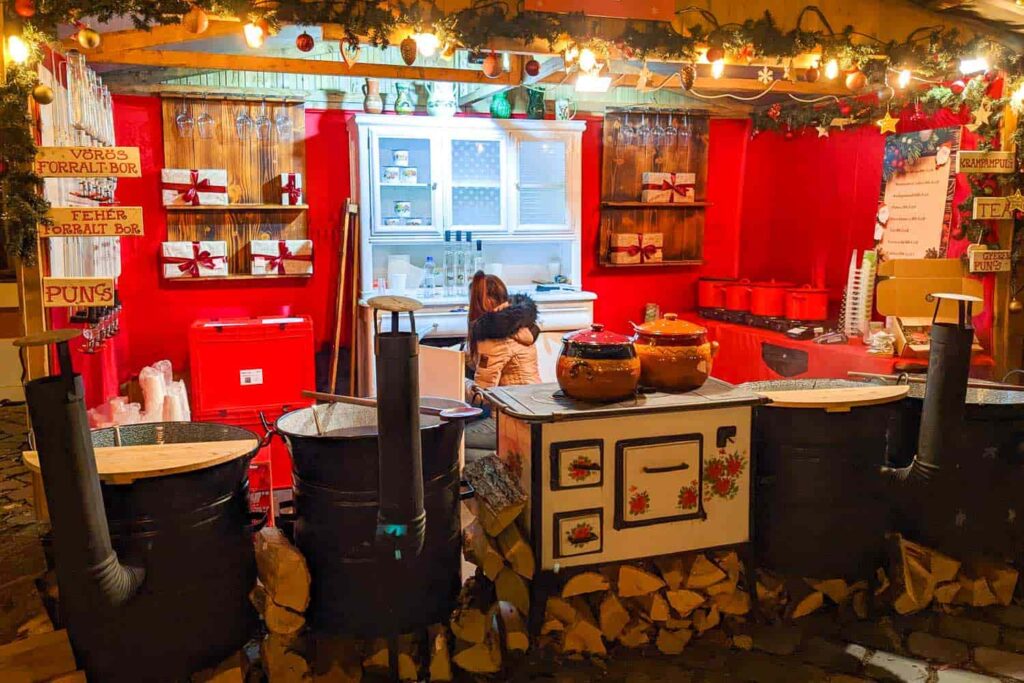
766	75
88	38
42	94
492	65
350	52
25	8
856	80
409	50
811	74
981	116
687	75
532	67
887	124
304	42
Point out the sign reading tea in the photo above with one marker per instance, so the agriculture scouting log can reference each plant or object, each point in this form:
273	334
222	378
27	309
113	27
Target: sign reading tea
988	260
88	162
997	208
974	161
78	291
93	221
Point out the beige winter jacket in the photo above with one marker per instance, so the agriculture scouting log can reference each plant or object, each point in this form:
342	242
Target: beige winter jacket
505	351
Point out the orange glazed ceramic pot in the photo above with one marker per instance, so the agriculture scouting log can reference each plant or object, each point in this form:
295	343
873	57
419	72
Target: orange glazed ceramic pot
675	355
595	365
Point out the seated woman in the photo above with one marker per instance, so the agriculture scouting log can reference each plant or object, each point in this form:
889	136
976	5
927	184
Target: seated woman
502	333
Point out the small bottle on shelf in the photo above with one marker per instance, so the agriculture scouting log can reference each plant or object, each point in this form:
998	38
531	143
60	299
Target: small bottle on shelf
460	265
478	257
449	265
469	258
428	278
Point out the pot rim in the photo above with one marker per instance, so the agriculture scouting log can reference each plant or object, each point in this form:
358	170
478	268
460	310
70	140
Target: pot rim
277	429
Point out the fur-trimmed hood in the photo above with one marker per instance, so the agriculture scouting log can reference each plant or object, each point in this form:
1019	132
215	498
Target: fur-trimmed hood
521	312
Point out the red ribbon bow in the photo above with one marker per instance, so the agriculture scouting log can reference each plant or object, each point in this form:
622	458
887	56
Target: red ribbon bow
200	259
283	254
294	194
190	191
646	251
676	188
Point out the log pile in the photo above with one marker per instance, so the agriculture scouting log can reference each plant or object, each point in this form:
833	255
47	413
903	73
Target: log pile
281	595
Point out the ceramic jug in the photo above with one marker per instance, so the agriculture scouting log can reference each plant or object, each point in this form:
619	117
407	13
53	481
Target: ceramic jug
441	100
372	104
500	106
535	103
405	102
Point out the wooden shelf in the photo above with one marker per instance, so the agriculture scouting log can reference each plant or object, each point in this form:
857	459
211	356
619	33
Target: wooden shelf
237	207
239	276
655	264
654	205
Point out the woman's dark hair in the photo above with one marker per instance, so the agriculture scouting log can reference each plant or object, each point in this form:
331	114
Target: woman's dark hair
486	293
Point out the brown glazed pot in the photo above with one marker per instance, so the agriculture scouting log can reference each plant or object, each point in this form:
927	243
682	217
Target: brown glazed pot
595	365
675	355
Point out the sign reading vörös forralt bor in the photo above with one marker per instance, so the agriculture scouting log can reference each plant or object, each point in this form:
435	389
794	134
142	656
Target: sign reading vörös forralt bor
88	162
59	292
980	161
93	221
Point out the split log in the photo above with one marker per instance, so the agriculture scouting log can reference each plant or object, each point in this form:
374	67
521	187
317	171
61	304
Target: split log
469	624
636	634
678	624
585	582
512	588
583	635
479	549
860	604
1001	578
231	670
802	599
499	498
837	590
440	656
634	581
975	591
41	657
736	603
560	610
36	626
479	658
517	639
377	661
769	587
671	570
337	660
277	619
282	570
945	593
702	572
613	617
284	659
684	601
551	626
654	606
722	587
729	562
704	620
673	642
517	551
73	677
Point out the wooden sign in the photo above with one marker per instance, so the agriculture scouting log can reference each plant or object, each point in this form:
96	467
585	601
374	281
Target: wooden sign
983	260
975	161
88	162
77	291
997	208
93	221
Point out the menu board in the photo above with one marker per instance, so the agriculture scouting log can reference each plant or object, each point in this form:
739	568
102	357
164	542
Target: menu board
916	201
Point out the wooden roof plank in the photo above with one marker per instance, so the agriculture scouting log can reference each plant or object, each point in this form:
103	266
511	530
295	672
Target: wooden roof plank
116	42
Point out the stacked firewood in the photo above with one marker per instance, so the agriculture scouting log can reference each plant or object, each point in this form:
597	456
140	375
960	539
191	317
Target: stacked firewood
490	621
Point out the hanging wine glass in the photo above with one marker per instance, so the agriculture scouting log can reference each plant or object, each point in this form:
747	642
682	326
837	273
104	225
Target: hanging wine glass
243	125
657	132
627	133
670	130
283	124
184	121
643	132
262	123
205	124
684	129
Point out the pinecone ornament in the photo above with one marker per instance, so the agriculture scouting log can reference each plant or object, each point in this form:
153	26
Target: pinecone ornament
688	74
408	48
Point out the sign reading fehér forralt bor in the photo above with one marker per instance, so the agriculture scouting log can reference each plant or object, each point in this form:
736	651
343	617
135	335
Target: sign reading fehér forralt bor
93	221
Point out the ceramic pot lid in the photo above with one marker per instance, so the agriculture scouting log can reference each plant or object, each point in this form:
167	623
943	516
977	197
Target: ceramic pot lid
670	326
596	335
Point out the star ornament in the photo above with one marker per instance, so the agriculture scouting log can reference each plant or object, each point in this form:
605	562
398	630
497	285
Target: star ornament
887	124
766	75
822	131
1015	202
981	116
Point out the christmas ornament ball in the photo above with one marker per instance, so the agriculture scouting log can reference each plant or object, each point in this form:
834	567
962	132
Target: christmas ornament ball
532	67
856	80
196	20
957	87
42	93
492	65
88	38
811	74
714	54
1016	306
304	42
25	8
789	134
688	73
408	48
844	108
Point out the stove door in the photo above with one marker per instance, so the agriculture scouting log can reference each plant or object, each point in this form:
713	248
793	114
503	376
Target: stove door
658	480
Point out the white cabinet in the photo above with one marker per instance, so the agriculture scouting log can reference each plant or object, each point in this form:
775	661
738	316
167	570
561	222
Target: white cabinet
403	170
476	196
547	184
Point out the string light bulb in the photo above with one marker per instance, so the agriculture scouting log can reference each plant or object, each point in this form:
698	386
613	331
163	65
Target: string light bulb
427	43
1017	98
17	49
588	60
903	80
254	35
832	69
717	68
571	54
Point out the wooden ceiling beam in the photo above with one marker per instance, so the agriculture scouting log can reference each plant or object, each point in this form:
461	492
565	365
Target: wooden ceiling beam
236	62
137	39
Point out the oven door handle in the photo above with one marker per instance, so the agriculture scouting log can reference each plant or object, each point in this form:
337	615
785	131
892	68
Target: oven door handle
667	468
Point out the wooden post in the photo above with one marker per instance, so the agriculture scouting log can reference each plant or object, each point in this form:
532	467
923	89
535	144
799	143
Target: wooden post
1007	329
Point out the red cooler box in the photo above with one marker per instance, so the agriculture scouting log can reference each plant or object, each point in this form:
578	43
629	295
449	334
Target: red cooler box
243	367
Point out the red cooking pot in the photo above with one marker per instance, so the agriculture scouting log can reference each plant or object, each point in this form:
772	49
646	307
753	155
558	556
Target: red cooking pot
768	299
711	292
737	296
807	304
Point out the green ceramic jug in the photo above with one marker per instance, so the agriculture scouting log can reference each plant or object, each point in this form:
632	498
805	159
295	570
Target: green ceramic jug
404	102
500	106
535	103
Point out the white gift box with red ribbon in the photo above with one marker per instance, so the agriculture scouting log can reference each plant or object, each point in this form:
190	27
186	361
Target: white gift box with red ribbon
194	259
195	187
634	248
668	188
281	257
291	189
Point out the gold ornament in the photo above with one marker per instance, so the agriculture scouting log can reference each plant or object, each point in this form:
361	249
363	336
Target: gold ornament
88	38
887	124
1015	202
42	93
714	54
811	74
409	49
822	131
687	75
981	116
856	80
492	65
196	20
1016	307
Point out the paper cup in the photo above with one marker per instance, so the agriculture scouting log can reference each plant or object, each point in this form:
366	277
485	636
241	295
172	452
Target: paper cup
398	282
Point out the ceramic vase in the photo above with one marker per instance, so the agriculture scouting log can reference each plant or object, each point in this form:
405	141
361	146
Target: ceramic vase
441	101
500	106
404	100
535	104
372	104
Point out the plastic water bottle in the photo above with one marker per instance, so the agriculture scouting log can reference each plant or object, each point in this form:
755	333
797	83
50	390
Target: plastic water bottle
460	266
448	265
428	282
478	258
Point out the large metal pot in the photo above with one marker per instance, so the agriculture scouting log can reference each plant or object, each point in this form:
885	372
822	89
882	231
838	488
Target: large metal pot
335	485
596	365
675	355
768	299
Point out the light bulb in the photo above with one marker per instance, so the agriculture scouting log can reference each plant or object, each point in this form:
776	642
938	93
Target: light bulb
831	69
571	53
588	60
427	43
717	68
1017	98
17	49
973	66
253	35
904	78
